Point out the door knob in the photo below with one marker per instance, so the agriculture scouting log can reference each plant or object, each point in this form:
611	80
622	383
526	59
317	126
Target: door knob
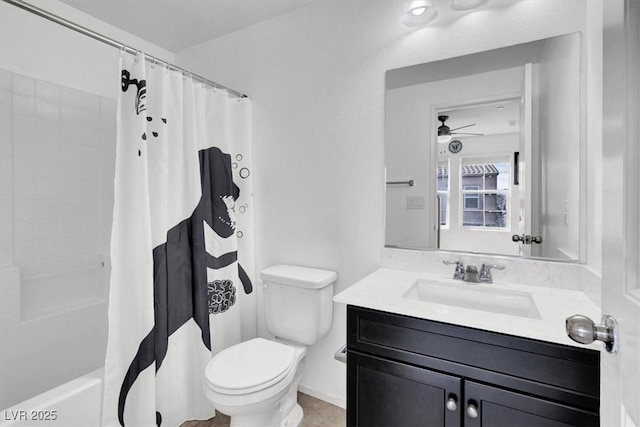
583	330
527	239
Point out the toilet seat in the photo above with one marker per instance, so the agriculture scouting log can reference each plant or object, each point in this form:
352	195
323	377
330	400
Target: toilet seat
249	367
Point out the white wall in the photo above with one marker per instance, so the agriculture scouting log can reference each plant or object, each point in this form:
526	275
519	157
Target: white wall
58	150
316	78
559	142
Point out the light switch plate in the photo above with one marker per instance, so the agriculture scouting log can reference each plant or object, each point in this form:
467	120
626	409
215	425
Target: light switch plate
415	202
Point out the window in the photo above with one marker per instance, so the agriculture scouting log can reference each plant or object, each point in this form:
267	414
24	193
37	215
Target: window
442	179
485	191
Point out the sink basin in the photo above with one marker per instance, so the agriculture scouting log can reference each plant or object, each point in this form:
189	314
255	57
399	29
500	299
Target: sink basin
474	296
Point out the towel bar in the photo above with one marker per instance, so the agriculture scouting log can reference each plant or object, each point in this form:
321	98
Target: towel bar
409	183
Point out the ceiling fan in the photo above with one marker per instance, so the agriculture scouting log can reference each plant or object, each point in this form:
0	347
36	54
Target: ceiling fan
445	132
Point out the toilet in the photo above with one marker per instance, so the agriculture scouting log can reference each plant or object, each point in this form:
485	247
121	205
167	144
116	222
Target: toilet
256	382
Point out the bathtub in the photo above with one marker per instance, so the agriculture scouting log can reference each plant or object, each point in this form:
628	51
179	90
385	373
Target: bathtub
76	403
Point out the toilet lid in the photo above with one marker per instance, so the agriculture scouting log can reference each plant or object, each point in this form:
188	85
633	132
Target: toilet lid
250	366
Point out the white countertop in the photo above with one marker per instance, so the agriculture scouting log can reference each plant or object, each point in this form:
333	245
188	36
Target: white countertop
383	290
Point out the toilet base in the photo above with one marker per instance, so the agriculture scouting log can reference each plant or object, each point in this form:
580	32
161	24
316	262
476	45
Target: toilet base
272	419
286	413
294	419
276	417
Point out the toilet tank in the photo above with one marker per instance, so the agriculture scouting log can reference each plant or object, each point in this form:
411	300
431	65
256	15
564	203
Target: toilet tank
298	302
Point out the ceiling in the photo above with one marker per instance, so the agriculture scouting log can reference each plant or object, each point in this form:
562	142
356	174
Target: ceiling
489	119
178	24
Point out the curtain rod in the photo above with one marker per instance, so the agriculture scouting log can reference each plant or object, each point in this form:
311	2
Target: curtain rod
111	42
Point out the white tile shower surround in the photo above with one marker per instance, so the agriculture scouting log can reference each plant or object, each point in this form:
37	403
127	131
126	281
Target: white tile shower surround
58	156
63	154
556	289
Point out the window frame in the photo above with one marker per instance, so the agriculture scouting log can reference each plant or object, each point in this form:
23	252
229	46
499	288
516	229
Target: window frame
446	193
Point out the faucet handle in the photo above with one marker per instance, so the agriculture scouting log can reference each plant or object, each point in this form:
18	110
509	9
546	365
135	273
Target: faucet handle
485	272
459	273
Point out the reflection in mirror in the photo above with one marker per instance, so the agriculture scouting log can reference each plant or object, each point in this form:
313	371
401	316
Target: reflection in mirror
491	142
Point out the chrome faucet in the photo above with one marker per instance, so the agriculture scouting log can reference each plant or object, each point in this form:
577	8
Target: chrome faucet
471	273
485	272
458	274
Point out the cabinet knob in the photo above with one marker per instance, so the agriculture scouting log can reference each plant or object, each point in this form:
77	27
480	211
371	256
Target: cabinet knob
452	404
472	410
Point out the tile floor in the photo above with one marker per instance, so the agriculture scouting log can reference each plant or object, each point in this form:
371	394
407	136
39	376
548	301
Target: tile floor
317	413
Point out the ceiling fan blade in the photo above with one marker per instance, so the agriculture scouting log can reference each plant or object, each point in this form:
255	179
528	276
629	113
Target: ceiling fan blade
462	127
466	133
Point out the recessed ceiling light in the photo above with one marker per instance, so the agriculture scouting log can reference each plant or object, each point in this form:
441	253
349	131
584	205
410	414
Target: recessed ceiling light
418	13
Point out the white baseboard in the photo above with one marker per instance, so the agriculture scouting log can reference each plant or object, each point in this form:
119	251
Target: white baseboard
329	398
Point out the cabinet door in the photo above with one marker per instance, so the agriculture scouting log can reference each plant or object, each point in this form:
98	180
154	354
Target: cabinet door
382	392
488	406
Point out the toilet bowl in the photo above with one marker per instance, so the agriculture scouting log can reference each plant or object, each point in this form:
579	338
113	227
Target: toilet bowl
256	382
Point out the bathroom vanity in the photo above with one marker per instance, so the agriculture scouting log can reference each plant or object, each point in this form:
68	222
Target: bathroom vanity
408	371
437	361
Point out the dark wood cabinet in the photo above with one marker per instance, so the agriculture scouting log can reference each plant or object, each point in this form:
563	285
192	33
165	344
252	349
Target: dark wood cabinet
403	371
412	396
499	407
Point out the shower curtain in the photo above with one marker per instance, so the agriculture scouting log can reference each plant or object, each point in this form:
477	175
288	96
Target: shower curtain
181	246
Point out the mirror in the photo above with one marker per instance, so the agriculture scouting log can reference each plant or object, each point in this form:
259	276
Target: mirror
483	152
